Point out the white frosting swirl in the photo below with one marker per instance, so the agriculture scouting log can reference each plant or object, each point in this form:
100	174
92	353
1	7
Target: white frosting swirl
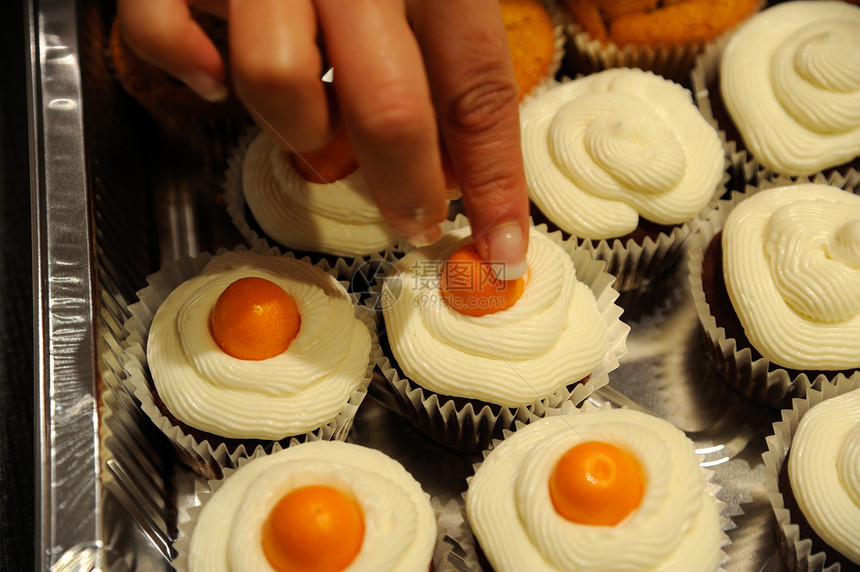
790	79
400	526
676	527
289	394
604	149
338	218
793	274
552	336
824	470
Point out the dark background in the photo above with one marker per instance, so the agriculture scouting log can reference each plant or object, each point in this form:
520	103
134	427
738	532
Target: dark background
17	512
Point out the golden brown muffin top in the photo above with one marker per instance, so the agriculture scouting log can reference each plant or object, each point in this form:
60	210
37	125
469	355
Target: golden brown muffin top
531	39
653	22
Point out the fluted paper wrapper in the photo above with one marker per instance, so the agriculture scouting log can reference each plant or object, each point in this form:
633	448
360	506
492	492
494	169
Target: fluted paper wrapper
471	426
204	458
760	379
797	552
465	545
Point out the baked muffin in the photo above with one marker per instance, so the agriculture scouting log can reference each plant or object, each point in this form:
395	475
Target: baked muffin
776	289
623	161
247	351
596	490
174	105
660	36
786	89
316	203
535	35
317	506
470	353
811	480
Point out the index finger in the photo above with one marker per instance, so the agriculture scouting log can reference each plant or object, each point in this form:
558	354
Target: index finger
470	69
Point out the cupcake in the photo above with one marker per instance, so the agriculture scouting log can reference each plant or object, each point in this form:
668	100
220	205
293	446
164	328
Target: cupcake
248	351
535	34
317	506
663	37
811	479
596	490
175	107
786	89
623	161
468	353
316	203
776	289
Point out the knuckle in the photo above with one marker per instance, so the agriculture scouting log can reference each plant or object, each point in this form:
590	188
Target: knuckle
394	120
485	100
264	72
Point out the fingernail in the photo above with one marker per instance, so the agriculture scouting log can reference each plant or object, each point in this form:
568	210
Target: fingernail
426	237
205	86
505	245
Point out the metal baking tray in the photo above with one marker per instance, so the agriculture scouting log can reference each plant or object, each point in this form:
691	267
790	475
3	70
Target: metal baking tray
113	197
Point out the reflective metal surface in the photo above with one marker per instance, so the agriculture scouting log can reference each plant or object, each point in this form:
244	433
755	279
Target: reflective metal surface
68	489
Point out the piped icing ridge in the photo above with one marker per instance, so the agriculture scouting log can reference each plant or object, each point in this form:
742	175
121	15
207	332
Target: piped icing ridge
602	150
793	274
337	218
824	470
289	394
676	527
400	526
790	79
552	336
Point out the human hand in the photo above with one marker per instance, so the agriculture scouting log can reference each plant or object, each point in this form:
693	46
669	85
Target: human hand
412	77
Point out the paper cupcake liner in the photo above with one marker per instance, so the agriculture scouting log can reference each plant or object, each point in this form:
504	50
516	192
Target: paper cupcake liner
234	198
467	545
201	456
468	425
797	552
759	380
203	491
746	169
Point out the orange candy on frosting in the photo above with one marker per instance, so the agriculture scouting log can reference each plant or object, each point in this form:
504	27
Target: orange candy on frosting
335	160
254	319
470	286
596	483
315	528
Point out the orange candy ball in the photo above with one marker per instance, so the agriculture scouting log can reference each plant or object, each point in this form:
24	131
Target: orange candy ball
596	483
313	529
331	162
254	319
470	286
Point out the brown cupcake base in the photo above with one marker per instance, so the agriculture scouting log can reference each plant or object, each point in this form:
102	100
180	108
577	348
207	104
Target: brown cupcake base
636	259
206	467
806	531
